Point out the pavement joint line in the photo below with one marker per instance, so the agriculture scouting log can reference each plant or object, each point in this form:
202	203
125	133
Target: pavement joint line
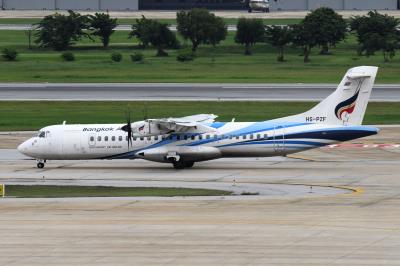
356	190
301	157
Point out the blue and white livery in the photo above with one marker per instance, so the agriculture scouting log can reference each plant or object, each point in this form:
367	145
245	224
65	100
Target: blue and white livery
184	141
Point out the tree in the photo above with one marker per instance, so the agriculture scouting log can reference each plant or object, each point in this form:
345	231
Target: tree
328	27
279	37
140	30
249	31
218	32
150	31
376	32
103	26
201	27
60	31
304	38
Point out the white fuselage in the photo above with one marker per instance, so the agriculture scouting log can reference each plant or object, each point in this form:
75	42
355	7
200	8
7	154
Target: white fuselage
233	139
183	141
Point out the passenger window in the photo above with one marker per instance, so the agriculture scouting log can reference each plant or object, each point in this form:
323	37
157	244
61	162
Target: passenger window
237	137
244	136
178	137
251	136
265	136
148	138
99	138
207	136
91	138
156	138
120	138
200	137
192	137
134	138
163	137
106	138
142	138
113	138
258	136
215	136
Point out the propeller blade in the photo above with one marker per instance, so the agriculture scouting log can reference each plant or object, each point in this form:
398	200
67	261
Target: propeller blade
128	128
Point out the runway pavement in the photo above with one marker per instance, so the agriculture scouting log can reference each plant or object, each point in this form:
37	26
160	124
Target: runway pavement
281	228
181	91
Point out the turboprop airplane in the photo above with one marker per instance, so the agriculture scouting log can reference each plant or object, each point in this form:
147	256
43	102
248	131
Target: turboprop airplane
184	141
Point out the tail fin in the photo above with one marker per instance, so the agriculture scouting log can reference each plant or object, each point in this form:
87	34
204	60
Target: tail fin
347	104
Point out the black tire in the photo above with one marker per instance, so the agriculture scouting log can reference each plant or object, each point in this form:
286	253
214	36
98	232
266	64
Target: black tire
188	164
267	10
40	165
249	10
179	165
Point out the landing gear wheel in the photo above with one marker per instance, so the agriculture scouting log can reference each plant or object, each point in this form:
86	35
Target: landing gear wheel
249	10
178	164
40	165
188	164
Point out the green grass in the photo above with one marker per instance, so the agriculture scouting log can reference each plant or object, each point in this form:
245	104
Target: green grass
124	21
224	63
47	191
35	115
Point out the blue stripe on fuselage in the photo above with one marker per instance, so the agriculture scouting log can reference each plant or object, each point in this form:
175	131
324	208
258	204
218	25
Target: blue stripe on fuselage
255	128
273	142
336	134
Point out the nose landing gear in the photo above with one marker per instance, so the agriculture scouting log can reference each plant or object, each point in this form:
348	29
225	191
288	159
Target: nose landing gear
40	164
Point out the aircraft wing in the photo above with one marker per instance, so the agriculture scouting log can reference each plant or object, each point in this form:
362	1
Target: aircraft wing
183	124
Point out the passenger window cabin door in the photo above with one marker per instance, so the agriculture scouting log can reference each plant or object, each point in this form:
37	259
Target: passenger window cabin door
92	139
279	139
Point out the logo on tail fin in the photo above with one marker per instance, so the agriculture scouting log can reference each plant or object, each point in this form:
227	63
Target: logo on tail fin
346	106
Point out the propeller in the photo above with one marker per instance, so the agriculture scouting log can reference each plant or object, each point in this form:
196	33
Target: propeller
128	128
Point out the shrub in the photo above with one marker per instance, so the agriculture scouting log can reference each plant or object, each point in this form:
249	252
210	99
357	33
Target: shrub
185	55
9	54
68	56
137	57
116	57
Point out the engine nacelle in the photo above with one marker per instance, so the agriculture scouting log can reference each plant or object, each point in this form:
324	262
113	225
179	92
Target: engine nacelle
180	153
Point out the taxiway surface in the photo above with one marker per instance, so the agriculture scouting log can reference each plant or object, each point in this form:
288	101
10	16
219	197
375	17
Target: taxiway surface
358	228
181	91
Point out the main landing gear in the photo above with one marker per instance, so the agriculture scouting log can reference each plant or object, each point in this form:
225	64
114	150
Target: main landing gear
40	163
182	164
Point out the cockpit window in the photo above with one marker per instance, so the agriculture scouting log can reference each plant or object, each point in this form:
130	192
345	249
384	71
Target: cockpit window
42	134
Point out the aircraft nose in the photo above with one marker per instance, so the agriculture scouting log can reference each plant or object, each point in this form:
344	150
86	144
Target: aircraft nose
23	147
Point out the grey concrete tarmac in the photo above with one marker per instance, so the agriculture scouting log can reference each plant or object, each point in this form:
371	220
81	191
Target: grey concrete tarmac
359	228
181	91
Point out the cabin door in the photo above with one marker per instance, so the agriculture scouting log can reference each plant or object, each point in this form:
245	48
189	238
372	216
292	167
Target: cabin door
72	143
